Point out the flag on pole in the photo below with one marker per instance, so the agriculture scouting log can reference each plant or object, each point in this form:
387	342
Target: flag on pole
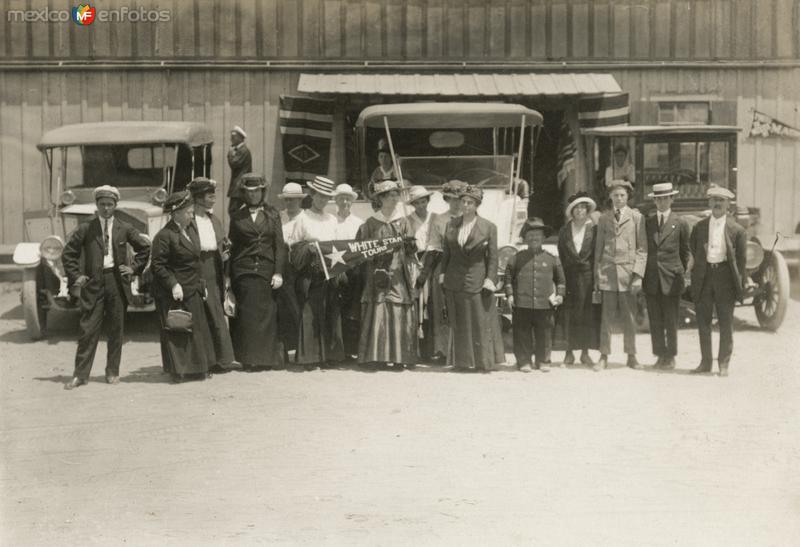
339	256
566	152
604	110
306	126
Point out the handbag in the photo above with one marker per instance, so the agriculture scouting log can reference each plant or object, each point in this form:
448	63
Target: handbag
179	320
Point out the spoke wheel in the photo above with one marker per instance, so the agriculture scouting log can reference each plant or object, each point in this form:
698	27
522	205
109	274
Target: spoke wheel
771	303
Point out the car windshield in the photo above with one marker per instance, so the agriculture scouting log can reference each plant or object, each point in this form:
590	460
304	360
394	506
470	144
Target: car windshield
433	171
691	166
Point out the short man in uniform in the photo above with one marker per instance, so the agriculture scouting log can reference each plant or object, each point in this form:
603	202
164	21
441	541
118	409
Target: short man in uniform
102	282
240	162
620	258
667	262
719	248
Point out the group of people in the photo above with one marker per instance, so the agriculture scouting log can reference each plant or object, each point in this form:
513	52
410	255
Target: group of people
260	293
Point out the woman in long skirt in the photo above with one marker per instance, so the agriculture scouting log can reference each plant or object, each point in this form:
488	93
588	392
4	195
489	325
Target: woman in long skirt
576	251
320	337
388	313
176	267
213	255
258	256
469	263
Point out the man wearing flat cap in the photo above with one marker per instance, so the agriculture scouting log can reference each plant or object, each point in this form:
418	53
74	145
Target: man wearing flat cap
620	258
719	247
240	162
102	281
667	262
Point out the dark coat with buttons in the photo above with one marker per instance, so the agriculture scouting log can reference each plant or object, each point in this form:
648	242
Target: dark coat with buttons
668	255
257	248
465	268
176	259
735	250
532	277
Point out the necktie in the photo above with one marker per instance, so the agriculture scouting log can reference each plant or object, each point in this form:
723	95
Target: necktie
660	222
105	236
616	214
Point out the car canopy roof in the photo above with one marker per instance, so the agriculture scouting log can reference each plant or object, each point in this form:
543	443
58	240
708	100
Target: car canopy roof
447	115
190	133
635	130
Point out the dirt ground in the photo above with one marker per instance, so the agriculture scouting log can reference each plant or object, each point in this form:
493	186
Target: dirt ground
345	457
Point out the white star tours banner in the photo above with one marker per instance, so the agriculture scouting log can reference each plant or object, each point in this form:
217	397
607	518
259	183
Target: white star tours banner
339	256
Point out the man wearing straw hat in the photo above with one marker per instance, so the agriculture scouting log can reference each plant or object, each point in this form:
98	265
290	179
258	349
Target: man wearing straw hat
667	262
240	162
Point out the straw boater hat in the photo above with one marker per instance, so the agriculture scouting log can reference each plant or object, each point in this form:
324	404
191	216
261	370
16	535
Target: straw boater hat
417	192
716	191
472	192
620	183
252	181
202	185
662	190
577	199
292	190
322	185
106	191
386	186
453	188
237	129
345	190
177	201
535	224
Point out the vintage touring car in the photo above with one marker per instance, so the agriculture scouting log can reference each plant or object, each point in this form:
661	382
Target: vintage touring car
145	160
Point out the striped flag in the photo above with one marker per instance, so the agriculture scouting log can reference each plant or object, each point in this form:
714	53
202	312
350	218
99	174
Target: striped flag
604	110
306	126
566	152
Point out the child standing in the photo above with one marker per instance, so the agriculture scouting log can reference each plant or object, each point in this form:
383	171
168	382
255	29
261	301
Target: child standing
534	284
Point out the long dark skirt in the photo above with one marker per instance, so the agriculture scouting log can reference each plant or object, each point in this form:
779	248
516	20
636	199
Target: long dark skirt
350	305
254	330
288	310
320	336
220	335
389	333
581	318
186	353
439	331
476	340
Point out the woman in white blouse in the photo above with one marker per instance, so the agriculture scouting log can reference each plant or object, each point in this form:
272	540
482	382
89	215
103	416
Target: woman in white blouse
320	335
576	251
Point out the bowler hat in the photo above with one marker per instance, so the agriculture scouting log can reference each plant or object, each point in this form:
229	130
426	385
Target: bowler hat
716	191
106	191
177	200
202	185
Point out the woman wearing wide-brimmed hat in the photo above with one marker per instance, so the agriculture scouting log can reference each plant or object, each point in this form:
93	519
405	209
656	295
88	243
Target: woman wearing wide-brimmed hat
432	268
469	266
388	314
576	241
320	338
420	220
177	270
258	258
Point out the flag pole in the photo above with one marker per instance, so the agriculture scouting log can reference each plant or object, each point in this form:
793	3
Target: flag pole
322	259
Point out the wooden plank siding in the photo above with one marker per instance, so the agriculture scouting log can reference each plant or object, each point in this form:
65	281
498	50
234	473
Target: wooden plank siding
473	30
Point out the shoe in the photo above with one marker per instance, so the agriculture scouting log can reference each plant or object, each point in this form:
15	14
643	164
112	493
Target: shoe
569	358
723	368
75	382
411	366
543	367
586	360
218	369
310	367
111	379
633	363
659	362
668	363
601	364
525	368
208	375
176	378
702	368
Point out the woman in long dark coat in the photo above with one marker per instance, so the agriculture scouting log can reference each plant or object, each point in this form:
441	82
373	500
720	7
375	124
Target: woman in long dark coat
388	314
258	256
213	255
576	251
469	263
177	270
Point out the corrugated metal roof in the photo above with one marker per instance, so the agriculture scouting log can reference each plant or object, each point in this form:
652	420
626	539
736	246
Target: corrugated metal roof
447	115
143	132
532	84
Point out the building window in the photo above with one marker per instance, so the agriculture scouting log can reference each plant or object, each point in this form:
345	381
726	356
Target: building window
684	112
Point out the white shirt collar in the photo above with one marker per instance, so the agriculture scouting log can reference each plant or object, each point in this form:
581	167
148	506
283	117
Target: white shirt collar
397	214
718	221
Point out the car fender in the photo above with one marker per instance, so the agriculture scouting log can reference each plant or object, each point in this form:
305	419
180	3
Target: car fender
27	255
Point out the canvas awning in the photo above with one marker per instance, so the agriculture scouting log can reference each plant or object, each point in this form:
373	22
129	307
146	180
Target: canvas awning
451	85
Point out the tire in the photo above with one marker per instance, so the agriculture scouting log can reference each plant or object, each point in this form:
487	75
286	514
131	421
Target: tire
35	315
771	304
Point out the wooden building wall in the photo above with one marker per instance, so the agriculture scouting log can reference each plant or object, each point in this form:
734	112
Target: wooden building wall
425	30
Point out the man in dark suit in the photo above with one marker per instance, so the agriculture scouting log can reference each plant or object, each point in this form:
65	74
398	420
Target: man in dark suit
667	262
240	162
102	283
719	248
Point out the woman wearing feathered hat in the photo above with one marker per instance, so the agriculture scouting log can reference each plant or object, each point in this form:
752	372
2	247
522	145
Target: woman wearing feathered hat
177	270
388	315
320	337
469	266
576	241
